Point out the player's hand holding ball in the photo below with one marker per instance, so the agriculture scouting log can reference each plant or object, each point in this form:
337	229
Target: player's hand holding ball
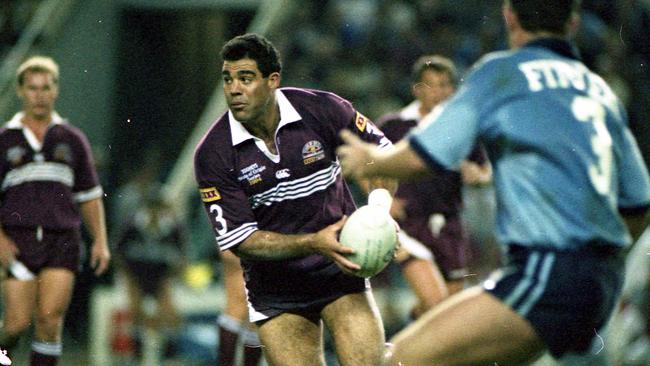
372	232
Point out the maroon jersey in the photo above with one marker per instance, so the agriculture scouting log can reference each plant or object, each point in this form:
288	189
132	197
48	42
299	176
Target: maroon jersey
42	183
439	194
245	187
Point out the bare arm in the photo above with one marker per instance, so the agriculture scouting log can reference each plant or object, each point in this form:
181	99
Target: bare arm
94	218
362	160
8	249
476	174
268	245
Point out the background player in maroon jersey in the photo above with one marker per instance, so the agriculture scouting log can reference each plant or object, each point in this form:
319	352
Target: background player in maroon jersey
49	184
428	211
271	185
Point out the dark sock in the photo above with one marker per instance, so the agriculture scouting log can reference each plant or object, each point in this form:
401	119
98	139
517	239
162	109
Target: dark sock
228	335
252	348
45	354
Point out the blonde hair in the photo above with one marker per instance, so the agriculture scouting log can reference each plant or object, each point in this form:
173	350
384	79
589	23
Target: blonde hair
38	64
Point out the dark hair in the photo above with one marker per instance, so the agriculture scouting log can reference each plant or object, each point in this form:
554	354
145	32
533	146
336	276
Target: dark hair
435	63
255	47
545	15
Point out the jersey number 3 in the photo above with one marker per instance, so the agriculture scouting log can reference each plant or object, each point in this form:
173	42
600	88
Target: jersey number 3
591	111
218	218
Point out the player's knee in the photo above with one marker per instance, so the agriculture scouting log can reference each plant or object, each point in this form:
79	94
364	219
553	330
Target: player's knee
49	322
15	327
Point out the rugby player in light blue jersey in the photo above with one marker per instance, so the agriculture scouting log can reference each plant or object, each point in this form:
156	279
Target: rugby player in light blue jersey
572	191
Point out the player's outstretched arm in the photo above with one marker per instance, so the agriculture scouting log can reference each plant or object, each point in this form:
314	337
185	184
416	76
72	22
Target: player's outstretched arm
361	160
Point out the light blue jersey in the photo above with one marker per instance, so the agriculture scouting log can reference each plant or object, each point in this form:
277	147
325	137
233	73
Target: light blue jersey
564	159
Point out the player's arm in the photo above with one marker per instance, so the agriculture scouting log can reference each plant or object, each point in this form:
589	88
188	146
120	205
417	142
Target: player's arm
475	174
268	245
8	249
94	218
362	160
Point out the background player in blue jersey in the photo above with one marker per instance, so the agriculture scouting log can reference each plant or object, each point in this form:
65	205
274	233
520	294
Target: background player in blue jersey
428	211
572	192
49	185
272	187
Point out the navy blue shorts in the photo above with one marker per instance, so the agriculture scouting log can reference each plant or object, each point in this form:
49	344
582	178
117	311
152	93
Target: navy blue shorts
566	296
47	248
305	302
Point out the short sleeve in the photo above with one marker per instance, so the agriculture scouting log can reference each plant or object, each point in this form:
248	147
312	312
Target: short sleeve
86	181
225	203
344	116
634	184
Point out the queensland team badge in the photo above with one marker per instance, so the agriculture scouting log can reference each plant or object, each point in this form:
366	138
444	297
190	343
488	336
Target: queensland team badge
312	152
16	155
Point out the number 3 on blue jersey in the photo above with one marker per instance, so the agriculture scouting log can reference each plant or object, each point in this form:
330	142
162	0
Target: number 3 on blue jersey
588	110
219	219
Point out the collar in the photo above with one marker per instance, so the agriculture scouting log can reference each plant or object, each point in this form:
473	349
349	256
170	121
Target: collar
557	45
16	122
288	114
411	111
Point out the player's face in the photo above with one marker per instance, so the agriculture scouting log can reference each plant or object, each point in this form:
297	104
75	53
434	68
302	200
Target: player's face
433	88
248	94
38	94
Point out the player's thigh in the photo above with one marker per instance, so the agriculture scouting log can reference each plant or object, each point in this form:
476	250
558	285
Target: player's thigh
54	291
292	340
471	328
19	303
354	322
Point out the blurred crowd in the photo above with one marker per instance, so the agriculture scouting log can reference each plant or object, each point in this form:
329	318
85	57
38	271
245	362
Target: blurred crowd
363	49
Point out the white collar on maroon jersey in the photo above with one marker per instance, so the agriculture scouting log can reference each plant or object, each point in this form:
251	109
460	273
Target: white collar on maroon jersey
288	114
16	123
411	112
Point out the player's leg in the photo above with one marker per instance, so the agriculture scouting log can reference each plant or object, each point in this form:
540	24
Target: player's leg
135	295
451	247
354	322
167	314
470	328
19	298
234	312
292	340
55	287
421	273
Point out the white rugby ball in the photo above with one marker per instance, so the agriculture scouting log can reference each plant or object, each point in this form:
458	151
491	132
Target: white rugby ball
371	232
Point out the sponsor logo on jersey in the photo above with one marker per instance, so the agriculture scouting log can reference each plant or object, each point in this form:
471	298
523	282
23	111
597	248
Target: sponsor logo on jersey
62	153
252	174
361	121
15	155
283	173
209	194
312	152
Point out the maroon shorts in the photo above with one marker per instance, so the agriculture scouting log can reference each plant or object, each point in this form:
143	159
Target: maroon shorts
449	247
51	249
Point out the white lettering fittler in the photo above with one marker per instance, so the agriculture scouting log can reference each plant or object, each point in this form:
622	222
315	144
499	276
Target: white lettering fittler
556	74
